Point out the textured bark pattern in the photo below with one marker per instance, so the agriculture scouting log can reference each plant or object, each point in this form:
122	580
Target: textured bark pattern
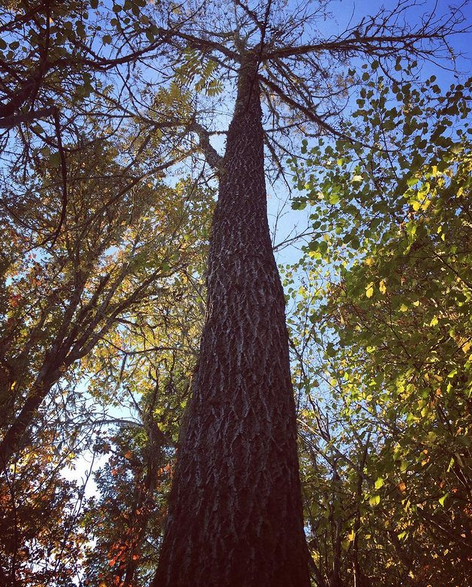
235	514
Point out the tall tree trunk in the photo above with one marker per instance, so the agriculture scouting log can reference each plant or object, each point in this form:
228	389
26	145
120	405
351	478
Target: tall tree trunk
235	511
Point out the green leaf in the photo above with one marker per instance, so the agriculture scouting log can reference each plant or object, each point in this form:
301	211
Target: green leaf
55	159
379	483
36	127
330	350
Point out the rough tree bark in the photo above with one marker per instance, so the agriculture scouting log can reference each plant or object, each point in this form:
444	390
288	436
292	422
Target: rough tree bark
235	512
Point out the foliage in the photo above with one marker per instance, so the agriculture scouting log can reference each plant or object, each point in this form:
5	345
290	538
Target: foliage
129	509
392	312
33	491
91	317
96	250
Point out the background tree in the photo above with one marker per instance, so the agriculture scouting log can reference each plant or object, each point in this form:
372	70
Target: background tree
93	244
394	224
134	480
33	552
75	309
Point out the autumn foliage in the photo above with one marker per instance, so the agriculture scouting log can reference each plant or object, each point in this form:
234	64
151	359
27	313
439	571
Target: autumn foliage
112	118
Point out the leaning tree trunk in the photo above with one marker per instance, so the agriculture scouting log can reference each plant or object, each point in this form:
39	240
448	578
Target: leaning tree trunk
235	512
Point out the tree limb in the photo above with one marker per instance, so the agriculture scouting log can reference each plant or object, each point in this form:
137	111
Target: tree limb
213	158
17	119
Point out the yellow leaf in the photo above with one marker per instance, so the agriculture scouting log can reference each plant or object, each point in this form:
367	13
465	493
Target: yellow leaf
369	290
426	204
374	500
382	287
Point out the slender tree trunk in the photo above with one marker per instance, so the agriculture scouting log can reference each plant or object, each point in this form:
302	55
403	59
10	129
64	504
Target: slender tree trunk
235	511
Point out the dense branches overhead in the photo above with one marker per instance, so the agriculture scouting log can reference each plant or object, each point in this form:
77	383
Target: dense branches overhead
160	62
48	47
302	65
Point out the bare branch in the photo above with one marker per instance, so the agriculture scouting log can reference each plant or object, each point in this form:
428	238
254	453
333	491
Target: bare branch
213	158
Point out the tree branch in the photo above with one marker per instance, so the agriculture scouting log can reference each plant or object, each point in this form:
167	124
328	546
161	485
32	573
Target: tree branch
17	119
378	46
213	158
202	44
294	104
